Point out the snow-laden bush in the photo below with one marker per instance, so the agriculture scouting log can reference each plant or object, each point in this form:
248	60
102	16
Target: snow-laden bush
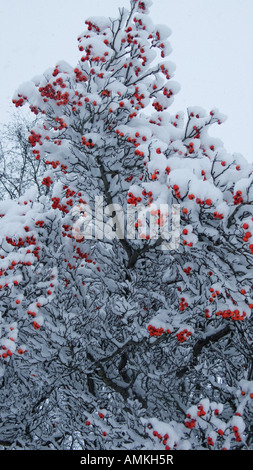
117	343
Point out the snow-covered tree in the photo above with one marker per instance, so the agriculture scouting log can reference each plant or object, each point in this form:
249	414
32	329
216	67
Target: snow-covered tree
19	170
112	342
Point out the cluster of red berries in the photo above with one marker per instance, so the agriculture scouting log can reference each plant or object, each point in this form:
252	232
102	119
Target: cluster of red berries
130	37
34	138
137	99
158	107
59	81
29	240
233	314
153	331
69	202
36	325
143	58
165	71
190	424
49	92
207	202
62	124
190	147
106	93
30	312
139	153
55	72
141	5
155	175
134	140
183	335
7	352
66	229
47	181
92	26
19	102
132	115
176	191
149	196
56	205
157	123
183	304
238	199
187	270
121	134
79	102
35	252
185	232
138	23
193	115
36	153
69	192
201	411
236	434
93	59
55	164
133	200
13	242
161	46
167	92
217	215
164	438
201	202
210	441
83	256
247	236
79	76
188	244
34	109
40	223
207	313
214	294
88	143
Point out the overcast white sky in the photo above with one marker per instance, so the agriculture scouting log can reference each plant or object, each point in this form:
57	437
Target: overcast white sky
212	44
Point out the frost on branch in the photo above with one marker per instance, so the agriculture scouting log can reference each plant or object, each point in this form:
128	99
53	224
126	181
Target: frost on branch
113	342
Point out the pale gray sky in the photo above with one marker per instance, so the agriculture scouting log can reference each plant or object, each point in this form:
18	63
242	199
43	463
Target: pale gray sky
212	44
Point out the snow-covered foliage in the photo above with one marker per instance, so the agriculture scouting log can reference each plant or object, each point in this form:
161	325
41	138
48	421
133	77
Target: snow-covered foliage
107	342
